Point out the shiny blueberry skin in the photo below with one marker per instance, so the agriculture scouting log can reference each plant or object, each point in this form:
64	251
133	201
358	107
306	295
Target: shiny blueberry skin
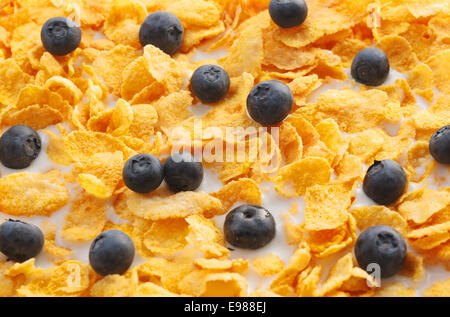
20	241
370	67
112	252
440	145
270	102
288	13
143	173
60	36
381	245
249	227
163	30
182	172
19	146
210	83
385	182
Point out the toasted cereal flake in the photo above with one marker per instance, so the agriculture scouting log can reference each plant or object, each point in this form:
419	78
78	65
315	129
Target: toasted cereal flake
203	283
413	267
324	18
206	237
353	111
93	185
65	88
86	218
106	167
418	156
195	35
12	80
268	265
399	52
339	273
35	116
121	119
350	167
8	285
326	207
308	282
115	286
331	137
367	217
149	289
293	179
440	65
162	204
246	53
294	233
395	290
123	22
429	121
32	194
200	13
144	120
110	64
419	205
438	289
173	109
82	145
165	237
50	245
430	237
242	190
284	280
68	279
290	144
236	265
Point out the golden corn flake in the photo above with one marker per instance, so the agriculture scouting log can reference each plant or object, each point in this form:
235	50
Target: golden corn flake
326	207
353	111
367	217
236	265
413	267
419	205
293	179
12	80
243	190
162	204
50	245
440	66
438	289
206	237
86	218
284	281
32	194
110	64
268	265
399	52
395	290
165	237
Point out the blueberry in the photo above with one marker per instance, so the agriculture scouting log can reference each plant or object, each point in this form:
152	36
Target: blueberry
19	146
249	227
210	83
370	67
60	36
20	241
288	13
385	182
112	252
440	145
381	245
163	30
143	173
270	102
182	172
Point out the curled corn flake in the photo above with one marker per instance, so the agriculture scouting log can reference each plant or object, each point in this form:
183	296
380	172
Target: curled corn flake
293	179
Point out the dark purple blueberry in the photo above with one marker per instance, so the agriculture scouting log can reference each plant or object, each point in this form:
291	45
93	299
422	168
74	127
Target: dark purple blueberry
382	246
249	227
385	182
210	83
370	67
60	36
19	146
182	172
